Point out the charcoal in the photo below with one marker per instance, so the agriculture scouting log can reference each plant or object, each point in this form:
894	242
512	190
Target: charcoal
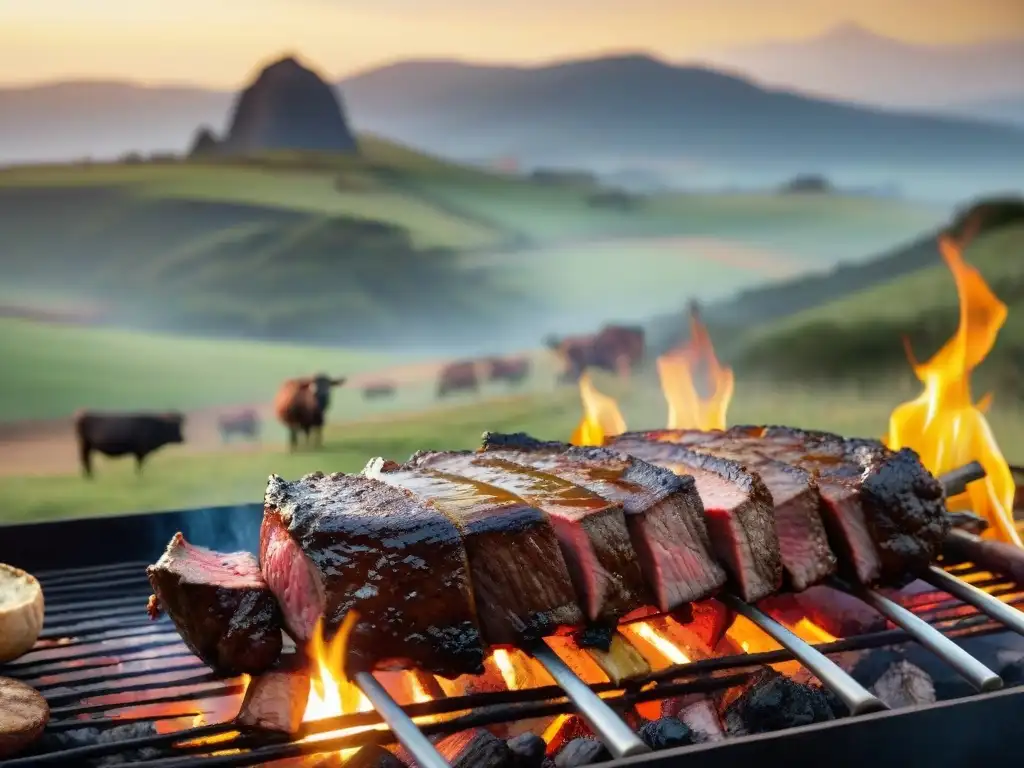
595	636
84	737
839	709
528	750
582	752
772	702
666	733
702	718
373	756
474	748
839	613
572	727
674	706
904	685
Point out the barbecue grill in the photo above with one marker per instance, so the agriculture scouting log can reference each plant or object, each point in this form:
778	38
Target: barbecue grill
103	665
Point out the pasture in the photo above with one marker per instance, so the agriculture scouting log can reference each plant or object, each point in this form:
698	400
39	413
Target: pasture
861	333
179	477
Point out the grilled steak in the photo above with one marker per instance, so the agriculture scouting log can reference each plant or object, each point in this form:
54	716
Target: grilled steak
335	543
737	507
803	543
883	509
592	532
220	604
664	514
520	580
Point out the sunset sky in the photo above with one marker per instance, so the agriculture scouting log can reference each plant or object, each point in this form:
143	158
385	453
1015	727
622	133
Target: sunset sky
220	42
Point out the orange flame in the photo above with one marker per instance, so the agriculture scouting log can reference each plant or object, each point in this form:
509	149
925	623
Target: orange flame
601	416
943	424
678	370
331	693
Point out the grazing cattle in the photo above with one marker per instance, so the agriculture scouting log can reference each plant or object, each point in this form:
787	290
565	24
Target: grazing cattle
458	377
616	348
512	370
377	390
245	423
125	434
300	405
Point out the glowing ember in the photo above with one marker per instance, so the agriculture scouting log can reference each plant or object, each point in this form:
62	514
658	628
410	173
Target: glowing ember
943	424
601	416
662	644
679	370
331	693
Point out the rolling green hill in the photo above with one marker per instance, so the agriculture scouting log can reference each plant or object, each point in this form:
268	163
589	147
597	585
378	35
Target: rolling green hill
860	335
396	247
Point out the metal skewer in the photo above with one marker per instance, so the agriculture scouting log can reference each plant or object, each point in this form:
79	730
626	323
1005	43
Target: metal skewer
611	729
976	673
956	481
856	698
405	730
983	601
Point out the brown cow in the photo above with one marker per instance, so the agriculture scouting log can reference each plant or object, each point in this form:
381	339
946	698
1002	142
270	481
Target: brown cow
379	389
512	370
125	434
245	422
458	377
300	404
616	349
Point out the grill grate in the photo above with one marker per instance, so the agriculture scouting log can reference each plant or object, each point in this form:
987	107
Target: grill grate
99	666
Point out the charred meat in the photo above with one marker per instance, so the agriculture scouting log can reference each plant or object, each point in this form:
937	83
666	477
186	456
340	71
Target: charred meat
592	531
664	514
737	507
883	509
520	580
331	544
803	542
220	604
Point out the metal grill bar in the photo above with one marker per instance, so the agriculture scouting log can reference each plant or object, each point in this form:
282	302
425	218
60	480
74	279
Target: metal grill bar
856	698
609	727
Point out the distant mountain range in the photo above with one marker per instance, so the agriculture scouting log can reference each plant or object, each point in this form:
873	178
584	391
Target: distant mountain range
855	64
605	114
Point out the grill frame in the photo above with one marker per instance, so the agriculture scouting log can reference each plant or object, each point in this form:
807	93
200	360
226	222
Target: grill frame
65	549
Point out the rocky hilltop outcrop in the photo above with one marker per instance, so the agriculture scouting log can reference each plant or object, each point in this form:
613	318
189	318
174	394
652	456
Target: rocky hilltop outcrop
287	107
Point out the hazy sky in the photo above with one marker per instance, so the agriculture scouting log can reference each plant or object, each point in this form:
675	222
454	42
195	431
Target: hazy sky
220	42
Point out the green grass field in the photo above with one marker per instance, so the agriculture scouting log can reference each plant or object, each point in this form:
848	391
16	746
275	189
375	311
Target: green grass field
862	331
175	479
49	371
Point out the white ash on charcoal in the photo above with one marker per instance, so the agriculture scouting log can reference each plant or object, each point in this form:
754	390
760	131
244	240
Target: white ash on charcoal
580	752
475	748
86	737
528	750
904	685
773	702
702	718
276	699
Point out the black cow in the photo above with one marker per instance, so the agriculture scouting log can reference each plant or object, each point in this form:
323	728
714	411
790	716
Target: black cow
125	434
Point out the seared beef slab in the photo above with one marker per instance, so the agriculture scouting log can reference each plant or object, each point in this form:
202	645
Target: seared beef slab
520	580
664	514
591	530
335	543
884	510
276	700
803	543
737	507
220	604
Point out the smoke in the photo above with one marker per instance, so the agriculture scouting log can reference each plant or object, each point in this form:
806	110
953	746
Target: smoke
234	528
